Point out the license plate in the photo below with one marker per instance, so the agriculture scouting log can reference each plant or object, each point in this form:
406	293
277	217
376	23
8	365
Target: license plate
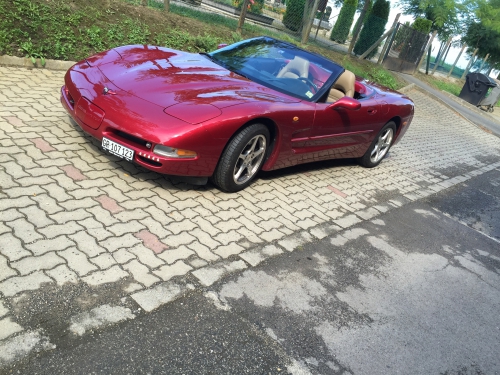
117	149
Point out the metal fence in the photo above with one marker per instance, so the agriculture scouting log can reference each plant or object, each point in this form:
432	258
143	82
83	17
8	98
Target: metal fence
405	49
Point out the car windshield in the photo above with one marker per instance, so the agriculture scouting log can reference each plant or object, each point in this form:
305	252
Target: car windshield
280	66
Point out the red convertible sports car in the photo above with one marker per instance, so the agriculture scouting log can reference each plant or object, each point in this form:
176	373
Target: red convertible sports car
257	104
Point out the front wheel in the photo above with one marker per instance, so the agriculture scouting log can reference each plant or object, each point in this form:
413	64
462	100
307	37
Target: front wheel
242	159
379	147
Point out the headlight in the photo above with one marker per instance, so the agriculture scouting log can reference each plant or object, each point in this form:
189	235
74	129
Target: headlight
173	152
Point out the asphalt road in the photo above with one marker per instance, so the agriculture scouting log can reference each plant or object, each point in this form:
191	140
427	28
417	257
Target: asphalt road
477	118
413	291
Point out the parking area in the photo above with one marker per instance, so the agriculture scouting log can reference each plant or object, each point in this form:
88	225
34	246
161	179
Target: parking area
72	215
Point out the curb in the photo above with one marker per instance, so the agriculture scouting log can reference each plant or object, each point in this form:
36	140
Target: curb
406	89
25	62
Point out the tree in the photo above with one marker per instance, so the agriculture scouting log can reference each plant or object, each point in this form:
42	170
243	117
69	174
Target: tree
373	28
341	28
483	31
293	14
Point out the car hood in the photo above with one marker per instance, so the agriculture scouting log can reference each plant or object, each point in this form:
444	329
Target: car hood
167	77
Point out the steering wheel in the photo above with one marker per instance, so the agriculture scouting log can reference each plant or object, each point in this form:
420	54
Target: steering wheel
307	81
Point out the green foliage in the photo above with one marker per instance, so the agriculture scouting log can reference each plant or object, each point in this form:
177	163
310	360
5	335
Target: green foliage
341	28
373	28
422	25
256	7
293	15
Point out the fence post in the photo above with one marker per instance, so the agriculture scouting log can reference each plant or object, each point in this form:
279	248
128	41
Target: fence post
356	30
309	22
386	44
482	64
436	64
455	63
469	65
425	50
319	24
243	14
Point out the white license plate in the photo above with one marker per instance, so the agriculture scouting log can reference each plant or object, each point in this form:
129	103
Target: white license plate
117	149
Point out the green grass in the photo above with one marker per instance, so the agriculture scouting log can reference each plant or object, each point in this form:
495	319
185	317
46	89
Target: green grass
453	88
58	29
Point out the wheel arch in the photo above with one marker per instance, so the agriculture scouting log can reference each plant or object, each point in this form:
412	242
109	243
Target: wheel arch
267	122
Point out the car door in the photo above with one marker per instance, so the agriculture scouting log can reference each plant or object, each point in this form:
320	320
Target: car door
344	133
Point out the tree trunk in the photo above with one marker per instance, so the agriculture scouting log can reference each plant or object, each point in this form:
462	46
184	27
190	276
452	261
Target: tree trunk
243	14
357	27
166	5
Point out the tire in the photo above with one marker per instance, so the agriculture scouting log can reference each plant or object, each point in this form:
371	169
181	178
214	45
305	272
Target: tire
379	147
242	159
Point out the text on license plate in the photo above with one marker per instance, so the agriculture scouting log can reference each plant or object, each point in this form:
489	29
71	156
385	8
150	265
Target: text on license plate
117	149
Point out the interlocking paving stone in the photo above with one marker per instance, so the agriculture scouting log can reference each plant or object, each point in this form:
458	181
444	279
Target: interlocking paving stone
111	275
8	328
18	284
63	200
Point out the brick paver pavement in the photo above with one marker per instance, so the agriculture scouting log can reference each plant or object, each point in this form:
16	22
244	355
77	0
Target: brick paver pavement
72	215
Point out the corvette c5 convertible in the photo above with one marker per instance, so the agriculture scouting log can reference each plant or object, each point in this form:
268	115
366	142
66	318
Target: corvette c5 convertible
257	104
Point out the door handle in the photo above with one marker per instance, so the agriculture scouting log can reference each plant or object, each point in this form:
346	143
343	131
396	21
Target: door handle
372	111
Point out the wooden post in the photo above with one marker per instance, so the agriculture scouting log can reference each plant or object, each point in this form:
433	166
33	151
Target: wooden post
439	60
243	14
386	44
455	63
469	64
356	30
375	45
310	19
482	64
426	48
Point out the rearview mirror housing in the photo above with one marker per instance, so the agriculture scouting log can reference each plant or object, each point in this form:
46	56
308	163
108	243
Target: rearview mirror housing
346	103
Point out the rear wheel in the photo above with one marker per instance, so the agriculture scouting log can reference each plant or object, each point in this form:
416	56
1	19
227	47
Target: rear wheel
242	159
379	147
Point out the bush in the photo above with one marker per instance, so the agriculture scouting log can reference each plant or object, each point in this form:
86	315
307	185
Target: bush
423	25
341	28
373	28
293	15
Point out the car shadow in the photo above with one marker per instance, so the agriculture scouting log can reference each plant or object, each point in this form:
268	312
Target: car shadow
132	173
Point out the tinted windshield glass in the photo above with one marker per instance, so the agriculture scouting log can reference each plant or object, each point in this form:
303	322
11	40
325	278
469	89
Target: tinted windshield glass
280	66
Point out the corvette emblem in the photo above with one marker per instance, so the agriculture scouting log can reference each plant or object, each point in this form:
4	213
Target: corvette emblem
107	91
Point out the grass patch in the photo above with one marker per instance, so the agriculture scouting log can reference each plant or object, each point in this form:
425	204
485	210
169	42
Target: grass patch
449	85
71	30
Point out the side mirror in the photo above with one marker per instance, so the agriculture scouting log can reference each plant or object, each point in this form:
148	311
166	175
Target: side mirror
222	45
346	103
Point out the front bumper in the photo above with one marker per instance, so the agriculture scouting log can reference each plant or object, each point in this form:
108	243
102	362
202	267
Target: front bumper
200	166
